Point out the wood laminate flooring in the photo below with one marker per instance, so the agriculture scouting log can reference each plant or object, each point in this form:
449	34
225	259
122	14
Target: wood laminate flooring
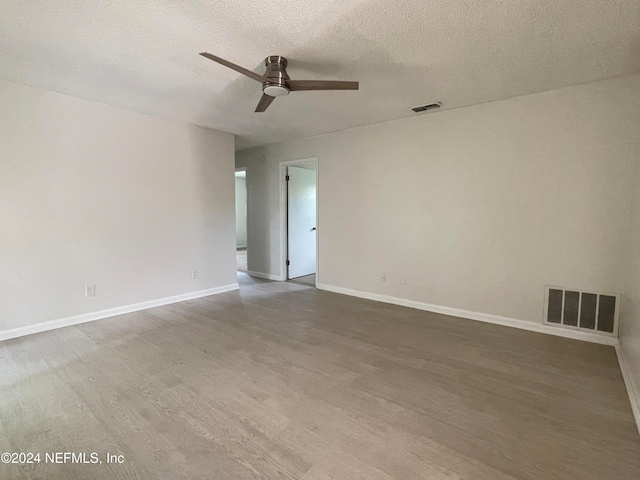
309	280
283	381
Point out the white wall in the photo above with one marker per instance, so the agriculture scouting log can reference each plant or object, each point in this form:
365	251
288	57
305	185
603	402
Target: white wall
630	327
478	207
93	194
241	212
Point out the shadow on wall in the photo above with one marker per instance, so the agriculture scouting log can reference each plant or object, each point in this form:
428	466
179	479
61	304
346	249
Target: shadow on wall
214	200
259	218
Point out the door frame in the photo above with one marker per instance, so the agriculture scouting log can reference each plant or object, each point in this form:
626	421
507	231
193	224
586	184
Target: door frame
284	234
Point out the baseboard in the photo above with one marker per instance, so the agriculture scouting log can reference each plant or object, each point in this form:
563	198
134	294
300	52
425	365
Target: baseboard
632	389
482	317
267	276
111	312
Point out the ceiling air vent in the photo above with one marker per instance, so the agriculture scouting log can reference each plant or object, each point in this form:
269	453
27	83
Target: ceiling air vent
584	311
426	108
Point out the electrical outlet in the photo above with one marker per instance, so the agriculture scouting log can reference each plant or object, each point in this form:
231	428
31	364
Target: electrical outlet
383	277
194	274
89	290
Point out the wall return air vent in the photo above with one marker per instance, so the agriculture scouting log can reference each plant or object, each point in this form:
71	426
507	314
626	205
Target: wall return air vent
580	310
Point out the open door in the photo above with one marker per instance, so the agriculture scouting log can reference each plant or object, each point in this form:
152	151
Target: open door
301	221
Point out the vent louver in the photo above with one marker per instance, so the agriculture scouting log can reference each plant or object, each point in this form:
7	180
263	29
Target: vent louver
581	310
425	108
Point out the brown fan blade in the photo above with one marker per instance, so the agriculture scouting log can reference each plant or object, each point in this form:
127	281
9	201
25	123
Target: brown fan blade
298	85
264	102
235	67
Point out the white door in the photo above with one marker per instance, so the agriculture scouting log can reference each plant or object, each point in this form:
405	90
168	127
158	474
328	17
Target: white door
301	221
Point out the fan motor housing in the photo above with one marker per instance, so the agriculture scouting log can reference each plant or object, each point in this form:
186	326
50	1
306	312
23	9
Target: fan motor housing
277	75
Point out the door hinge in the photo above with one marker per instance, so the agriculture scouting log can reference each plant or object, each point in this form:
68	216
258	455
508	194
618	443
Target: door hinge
287	178
288	263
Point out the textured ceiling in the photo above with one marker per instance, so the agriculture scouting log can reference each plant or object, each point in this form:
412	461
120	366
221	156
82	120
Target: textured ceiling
143	55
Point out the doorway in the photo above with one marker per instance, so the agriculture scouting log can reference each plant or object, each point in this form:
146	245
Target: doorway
241	219
301	221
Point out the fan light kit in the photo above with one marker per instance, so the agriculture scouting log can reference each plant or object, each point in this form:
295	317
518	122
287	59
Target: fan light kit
276	82
275	90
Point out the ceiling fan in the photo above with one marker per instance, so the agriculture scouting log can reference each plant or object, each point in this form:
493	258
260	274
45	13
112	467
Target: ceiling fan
276	82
